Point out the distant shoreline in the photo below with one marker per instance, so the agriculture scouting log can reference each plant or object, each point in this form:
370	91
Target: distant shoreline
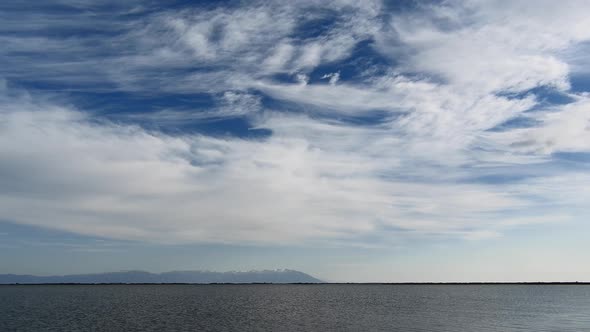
309	283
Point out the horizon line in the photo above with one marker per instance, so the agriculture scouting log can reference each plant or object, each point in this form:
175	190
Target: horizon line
312	283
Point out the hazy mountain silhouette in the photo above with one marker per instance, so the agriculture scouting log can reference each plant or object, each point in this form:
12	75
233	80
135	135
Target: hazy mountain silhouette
196	277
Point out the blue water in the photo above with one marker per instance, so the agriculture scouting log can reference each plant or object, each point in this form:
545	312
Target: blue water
295	308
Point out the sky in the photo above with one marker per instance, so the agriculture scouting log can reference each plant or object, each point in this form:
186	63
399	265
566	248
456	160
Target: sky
358	141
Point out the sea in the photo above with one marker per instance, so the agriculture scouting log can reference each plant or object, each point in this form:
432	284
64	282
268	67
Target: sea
269	307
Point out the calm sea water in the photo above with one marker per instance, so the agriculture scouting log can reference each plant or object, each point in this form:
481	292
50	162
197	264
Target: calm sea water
295	308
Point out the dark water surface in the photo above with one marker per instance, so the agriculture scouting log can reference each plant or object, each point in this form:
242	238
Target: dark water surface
295	308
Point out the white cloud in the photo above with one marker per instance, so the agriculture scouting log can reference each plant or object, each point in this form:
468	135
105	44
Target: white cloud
280	57
493	46
332	78
310	181
564	130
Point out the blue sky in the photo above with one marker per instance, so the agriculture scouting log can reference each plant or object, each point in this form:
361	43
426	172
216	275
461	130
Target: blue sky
356	141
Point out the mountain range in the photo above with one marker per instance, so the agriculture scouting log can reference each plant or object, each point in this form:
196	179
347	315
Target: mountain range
192	277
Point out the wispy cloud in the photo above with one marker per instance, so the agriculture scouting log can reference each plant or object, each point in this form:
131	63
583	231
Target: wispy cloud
402	146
